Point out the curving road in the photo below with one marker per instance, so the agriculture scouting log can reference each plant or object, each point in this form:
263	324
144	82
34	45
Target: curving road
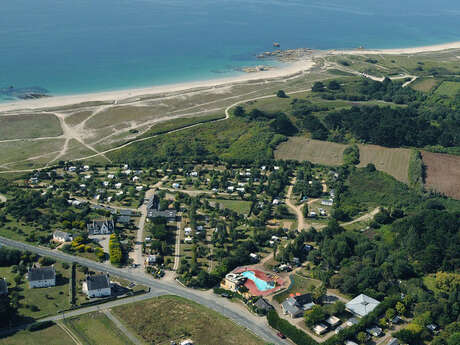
236	312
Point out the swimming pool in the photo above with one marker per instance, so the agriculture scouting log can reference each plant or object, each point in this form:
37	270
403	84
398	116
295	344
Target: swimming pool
261	284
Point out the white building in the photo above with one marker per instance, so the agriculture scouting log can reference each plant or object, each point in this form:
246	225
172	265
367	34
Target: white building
40	277
61	236
97	286
362	305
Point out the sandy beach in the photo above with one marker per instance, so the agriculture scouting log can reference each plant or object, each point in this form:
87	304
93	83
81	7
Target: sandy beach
283	72
397	51
119	95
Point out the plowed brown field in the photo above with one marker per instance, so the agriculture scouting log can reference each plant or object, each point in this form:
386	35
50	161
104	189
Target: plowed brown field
442	173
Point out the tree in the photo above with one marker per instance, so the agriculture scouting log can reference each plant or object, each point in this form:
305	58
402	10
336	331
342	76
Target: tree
333	85
239	111
318	87
361	337
305	210
314	315
281	94
390	314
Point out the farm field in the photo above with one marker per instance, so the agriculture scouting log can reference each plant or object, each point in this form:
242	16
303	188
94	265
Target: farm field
53	335
315	151
96	328
29	126
160	320
442	173
393	161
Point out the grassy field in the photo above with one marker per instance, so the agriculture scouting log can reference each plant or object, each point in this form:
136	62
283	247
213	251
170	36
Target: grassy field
29	126
442	173
53	335
425	84
77	117
21	150
315	151
393	161
96	328
160	320
171	125
448	88
239	206
299	284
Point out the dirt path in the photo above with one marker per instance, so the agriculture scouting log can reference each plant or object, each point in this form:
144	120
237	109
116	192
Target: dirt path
177	248
122	327
296	209
74	133
136	253
69	333
363	218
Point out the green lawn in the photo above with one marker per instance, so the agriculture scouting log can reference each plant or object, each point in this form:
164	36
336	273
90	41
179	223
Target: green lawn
53	335
239	206
96	328
160	320
299	284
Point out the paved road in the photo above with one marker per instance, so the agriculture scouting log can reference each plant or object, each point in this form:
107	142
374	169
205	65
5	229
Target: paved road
234	311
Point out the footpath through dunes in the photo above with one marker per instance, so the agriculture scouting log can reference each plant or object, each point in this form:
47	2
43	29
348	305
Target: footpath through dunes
393	161
442	173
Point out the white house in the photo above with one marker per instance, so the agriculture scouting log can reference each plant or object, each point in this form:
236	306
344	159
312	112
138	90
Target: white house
175	185
61	236
39	277
188	240
118	185
111	176
320	329
97	286
328	202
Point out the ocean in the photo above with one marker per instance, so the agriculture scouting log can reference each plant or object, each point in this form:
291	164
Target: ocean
81	46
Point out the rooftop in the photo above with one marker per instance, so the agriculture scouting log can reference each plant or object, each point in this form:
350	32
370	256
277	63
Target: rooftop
362	305
41	273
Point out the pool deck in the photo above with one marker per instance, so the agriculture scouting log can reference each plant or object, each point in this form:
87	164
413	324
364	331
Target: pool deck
253	290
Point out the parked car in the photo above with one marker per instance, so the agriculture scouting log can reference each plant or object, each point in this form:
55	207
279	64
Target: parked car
281	335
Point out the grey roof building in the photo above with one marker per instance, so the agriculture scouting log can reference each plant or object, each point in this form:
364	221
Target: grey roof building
262	304
295	306
154	210
124	219
41	276
98	281
362	305
101	227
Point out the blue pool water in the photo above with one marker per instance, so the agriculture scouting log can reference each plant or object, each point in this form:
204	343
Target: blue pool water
70	47
261	284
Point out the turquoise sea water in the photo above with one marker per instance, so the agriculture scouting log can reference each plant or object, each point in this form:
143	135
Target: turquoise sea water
261	284
76	46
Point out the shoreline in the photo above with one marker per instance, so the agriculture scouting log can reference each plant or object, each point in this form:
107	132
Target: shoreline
290	69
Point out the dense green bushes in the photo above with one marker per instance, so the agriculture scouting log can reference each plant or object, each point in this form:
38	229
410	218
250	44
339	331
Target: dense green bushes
416	171
351	155
292	332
